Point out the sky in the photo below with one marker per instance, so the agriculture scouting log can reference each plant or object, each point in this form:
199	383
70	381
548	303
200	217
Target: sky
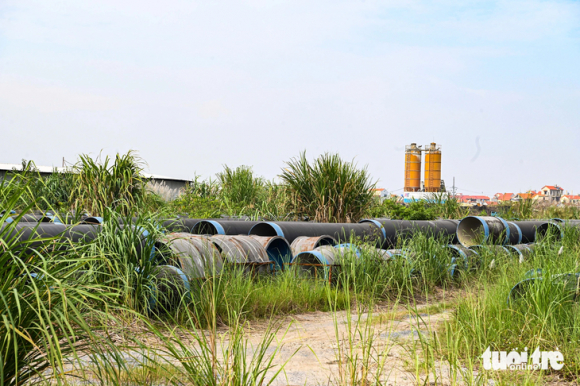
195	85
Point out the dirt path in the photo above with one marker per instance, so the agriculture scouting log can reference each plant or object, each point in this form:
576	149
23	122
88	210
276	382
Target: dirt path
310	344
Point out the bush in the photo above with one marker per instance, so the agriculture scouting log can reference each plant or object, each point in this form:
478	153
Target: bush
416	210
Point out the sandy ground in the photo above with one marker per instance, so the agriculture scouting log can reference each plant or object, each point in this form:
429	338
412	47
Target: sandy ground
310	346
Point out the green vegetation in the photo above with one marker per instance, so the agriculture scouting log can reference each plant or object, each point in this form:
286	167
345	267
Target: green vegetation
329	189
99	310
100	185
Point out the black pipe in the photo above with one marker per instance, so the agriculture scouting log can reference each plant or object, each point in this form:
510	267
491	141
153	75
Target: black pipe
476	230
59	232
529	229
395	230
184	225
31	231
290	230
225	227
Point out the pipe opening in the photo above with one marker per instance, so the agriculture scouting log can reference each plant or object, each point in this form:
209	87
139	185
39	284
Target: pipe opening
312	264
471	231
325	240
205	228
279	251
548	229
264	229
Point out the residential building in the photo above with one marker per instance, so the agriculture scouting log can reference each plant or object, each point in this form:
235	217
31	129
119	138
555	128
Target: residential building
473	200
529	195
570	199
380	192
549	193
502	197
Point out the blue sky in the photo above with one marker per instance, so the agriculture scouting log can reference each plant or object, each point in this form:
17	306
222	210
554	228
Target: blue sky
196	85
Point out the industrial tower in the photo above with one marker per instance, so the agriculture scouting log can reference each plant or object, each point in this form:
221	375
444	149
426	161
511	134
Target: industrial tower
413	157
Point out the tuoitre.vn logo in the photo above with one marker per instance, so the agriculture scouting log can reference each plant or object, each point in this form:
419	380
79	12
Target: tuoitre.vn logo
513	360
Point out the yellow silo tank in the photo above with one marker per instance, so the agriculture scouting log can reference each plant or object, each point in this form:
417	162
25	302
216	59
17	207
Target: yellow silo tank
433	168
412	168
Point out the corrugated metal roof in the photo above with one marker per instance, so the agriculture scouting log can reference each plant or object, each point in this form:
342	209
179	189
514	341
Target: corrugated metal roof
50	169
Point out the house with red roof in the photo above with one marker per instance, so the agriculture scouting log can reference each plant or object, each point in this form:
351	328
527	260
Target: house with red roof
529	195
473	200
549	193
502	197
570	199
380	192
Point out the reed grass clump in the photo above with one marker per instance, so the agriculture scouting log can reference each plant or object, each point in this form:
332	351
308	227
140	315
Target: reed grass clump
329	189
116	184
44	302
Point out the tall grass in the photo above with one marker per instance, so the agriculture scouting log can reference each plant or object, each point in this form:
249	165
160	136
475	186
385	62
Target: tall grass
239	187
116	184
43	307
329	189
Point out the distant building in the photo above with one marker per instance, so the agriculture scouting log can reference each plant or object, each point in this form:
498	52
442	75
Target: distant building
380	192
473	200
524	196
550	194
169	182
570	199
502	197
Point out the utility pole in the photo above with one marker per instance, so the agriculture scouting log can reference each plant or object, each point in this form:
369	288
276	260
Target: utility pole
453	188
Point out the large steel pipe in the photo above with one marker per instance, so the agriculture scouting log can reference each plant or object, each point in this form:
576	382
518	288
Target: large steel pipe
277	248
321	262
240	249
305	243
34	232
196	256
476	230
521	251
225	227
529	229
549	228
339	231
170	285
30	231
492	249
182	225
397	230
